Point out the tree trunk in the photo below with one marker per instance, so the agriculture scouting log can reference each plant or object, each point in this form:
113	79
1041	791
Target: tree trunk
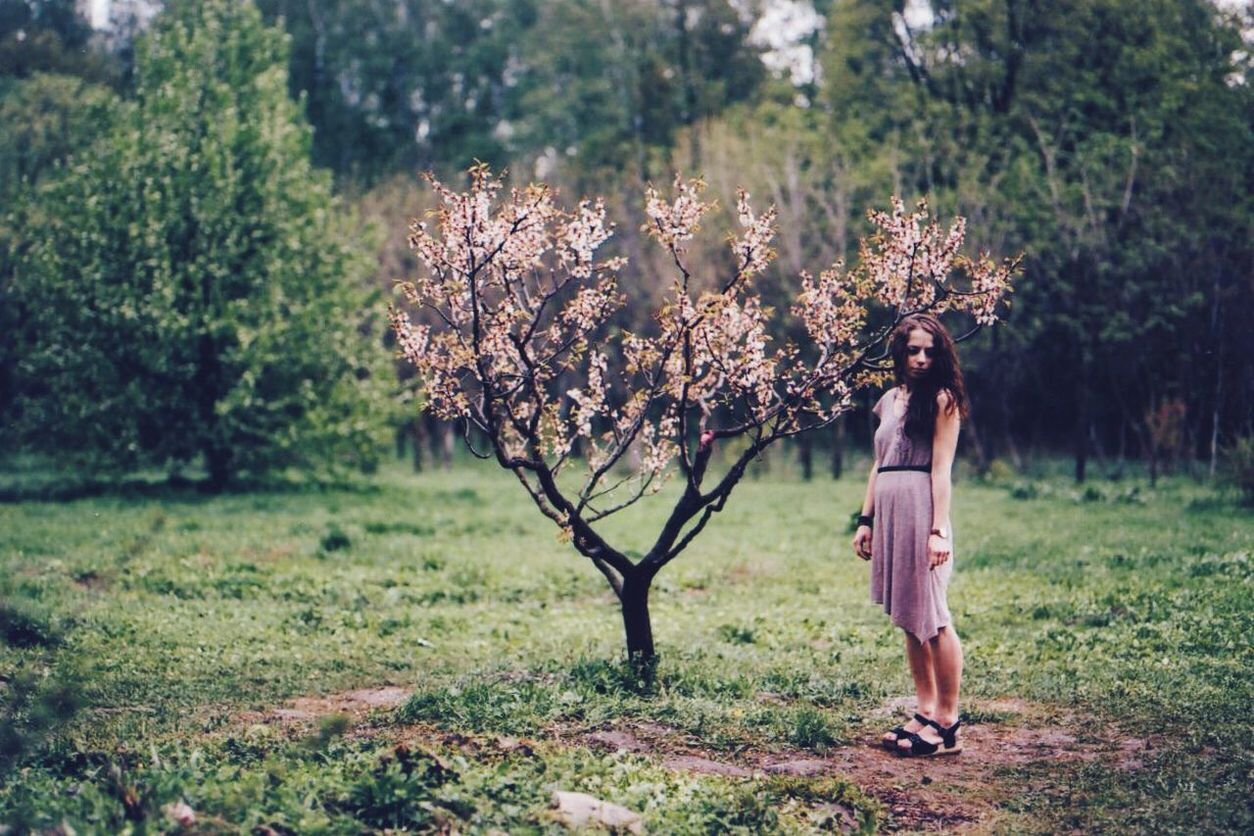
217	454
448	436
688	116
218	463
635	605
976	441
1095	445
838	447
416	438
805	451
1217	329
1153	464
1080	435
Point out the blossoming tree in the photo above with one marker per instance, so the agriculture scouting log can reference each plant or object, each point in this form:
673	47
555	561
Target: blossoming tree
518	305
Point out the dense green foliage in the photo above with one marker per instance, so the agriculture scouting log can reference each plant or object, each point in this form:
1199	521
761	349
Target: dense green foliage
1104	138
401	86
188	286
42	120
49	36
1113	607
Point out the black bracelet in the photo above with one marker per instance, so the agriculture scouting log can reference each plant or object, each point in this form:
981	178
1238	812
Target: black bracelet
864	519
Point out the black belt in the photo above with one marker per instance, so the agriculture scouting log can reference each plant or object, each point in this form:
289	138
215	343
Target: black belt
921	468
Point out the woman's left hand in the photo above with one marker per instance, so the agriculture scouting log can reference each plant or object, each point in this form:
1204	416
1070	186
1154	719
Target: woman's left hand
938	550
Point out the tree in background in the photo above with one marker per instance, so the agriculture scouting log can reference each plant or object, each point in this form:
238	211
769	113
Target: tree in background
400	85
43	120
1104	137
49	36
185	281
53	100
522	352
608	86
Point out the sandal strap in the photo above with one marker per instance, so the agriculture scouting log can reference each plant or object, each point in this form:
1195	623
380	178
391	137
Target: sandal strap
919	746
919	718
948	735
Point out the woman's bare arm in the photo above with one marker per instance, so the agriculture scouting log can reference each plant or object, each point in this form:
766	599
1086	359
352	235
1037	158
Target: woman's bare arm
944	447
868	502
862	538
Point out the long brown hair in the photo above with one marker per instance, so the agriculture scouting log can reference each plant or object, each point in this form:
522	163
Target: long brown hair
944	375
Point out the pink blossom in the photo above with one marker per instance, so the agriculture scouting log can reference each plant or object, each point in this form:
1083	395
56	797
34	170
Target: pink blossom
753	250
516	303
678	220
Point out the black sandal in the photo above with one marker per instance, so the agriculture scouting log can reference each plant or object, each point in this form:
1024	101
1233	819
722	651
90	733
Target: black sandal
900	733
920	748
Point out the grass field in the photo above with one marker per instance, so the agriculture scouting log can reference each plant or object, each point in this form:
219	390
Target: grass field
231	653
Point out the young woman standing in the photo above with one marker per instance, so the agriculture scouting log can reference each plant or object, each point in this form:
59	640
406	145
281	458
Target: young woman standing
905	531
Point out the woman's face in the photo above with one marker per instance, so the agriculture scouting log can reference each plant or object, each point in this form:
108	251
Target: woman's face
920	352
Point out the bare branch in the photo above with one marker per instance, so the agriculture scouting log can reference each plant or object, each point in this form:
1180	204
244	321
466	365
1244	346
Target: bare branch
538	498
615	579
470	444
632	500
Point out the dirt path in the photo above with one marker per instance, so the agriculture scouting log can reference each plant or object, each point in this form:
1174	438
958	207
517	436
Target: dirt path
959	792
940	793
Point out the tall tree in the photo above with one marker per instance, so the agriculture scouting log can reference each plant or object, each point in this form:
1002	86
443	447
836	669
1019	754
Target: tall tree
43	120
185	281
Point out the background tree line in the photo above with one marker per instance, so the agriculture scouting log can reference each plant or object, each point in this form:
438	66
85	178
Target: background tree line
1108	139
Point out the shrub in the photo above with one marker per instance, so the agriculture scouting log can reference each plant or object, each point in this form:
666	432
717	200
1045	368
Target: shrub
33	708
812	730
22	624
335	539
1241	467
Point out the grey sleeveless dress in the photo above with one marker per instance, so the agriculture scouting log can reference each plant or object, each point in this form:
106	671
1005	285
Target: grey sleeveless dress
912	593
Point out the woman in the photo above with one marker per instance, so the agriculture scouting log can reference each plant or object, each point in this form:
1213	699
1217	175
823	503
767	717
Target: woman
904	529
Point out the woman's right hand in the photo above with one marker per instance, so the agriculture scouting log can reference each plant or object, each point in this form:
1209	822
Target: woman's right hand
862	542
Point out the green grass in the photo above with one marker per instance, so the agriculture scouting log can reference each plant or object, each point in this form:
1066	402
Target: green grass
136	628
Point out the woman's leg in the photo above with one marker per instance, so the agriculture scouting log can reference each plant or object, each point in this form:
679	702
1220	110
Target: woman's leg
947	666
945	656
922	670
922	661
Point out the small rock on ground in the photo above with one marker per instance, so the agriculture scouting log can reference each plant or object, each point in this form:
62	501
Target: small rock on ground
804	767
577	809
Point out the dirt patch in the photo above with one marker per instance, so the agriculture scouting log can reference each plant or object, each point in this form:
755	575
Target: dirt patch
270	555
705	766
941	793
956	792
93	580
304	711
616	740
